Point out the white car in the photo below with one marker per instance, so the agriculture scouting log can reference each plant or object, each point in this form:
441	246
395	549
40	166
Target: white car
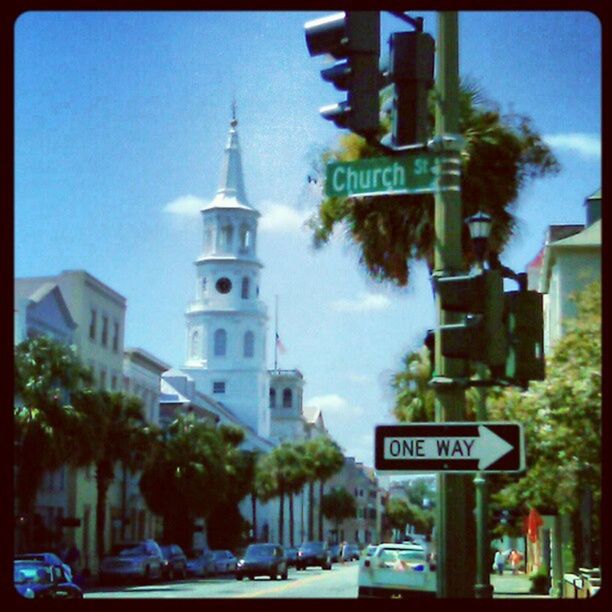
397	571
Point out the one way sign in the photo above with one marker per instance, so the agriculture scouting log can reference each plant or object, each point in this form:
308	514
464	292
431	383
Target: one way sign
450	447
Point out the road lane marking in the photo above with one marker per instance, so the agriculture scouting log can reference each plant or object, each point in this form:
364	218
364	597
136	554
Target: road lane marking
279	588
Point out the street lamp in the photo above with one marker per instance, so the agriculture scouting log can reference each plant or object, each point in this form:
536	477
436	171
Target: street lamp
480	230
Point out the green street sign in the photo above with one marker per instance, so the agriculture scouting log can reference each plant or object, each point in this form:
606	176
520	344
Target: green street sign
411	173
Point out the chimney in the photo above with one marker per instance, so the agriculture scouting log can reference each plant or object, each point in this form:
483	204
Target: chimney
593	208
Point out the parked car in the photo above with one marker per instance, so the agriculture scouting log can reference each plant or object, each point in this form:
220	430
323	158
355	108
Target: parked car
352	552
200	562
224	562
46	557
291	554
132	561
262	560
42	580
174	564
397	570
335	552
314	553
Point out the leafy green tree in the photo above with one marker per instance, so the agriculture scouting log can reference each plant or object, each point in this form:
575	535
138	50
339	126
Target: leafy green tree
502	154
187	464
115	431
401	512
47	437
562	420
225	525
338	505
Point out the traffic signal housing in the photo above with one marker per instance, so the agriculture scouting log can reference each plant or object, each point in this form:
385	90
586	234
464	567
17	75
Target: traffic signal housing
411	70
481	336
524	321
353	37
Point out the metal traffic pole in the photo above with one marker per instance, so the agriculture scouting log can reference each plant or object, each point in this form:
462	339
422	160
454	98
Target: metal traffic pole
455	563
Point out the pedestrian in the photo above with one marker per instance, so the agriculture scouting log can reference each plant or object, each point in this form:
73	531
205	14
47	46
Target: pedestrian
515	559
343	552
499	562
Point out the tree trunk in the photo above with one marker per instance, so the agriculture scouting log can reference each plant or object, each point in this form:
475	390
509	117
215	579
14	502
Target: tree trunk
320	510
281	514
311	511
254	515
291	519
103	480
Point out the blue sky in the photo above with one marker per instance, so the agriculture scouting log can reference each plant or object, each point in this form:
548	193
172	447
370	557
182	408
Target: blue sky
120	123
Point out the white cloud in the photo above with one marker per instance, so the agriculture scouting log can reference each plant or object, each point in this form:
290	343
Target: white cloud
333	405
280	218
363	303
585	145
185	206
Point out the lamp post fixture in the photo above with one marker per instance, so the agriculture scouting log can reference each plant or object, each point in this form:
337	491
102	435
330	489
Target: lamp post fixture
480	230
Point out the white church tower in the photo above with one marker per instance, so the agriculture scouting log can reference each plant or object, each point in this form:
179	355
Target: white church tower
226	324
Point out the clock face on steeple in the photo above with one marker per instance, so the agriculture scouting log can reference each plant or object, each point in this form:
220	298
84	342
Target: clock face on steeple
224	285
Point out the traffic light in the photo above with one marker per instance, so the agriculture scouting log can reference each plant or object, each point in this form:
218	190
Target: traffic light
411	69
482	335
353	37
525	331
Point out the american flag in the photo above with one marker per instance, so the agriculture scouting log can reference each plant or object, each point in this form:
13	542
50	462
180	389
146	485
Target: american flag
279	345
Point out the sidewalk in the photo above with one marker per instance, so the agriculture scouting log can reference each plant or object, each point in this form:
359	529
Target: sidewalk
509	585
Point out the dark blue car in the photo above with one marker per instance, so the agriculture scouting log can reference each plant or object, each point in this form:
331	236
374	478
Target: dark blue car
41	580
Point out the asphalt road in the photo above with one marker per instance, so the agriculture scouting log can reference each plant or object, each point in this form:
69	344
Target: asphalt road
340	582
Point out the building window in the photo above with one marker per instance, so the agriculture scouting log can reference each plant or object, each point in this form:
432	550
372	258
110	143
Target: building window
287	398
103	378
245	288
126	384
104	330
92	324
249	344
195	342
220	343
219	386
227	232
114	382
272	398
208	240
115	337
245	238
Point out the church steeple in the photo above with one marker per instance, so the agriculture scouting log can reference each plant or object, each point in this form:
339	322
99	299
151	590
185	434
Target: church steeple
231	192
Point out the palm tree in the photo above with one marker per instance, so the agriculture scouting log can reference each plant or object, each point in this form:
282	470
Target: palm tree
295	477
116	429
323	458
268	485
47	372
502	154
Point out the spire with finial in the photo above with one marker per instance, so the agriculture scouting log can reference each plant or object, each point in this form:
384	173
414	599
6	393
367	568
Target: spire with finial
234	121
231	192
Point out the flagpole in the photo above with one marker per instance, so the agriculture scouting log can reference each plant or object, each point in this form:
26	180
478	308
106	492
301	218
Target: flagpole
276	332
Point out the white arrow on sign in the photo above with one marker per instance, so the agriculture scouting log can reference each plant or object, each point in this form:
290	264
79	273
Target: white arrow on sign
487	447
